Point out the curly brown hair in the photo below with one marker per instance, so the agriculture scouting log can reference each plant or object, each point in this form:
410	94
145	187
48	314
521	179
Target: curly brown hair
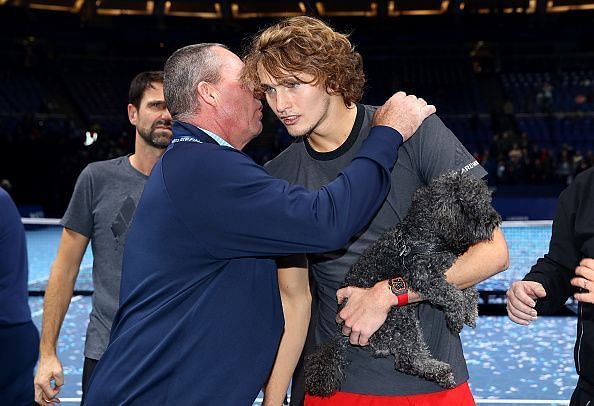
306	45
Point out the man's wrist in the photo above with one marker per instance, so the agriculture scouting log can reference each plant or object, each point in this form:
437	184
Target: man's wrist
399	290
47	351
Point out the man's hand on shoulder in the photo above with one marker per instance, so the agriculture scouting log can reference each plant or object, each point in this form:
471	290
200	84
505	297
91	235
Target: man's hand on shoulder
404	113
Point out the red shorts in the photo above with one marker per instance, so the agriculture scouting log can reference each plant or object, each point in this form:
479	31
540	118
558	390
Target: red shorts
458	396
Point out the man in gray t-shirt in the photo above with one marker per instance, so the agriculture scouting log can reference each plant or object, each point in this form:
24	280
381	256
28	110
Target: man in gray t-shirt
100	211
314	92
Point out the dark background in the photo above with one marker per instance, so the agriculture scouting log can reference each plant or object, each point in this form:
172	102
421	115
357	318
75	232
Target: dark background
513	79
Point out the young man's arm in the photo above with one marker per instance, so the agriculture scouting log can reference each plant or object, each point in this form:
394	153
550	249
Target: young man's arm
293	281
58	293
367	309
480	262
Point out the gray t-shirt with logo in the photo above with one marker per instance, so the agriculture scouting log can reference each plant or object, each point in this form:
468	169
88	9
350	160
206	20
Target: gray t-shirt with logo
101	208
432	151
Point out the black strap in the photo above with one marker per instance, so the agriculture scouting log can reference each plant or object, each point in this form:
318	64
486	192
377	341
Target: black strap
407	252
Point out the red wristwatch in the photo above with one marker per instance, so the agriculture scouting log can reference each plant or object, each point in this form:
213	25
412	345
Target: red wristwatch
399	288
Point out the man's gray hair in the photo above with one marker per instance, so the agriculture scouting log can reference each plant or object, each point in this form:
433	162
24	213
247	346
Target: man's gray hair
187	67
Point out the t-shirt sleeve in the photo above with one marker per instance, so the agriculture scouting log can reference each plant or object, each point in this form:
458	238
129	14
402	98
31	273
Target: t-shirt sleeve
79	214
439	151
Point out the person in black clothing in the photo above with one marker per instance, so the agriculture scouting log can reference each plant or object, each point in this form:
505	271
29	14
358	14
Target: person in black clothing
566	270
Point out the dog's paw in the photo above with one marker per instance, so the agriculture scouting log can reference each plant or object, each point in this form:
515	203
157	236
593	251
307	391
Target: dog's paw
440	372
446	380
323	370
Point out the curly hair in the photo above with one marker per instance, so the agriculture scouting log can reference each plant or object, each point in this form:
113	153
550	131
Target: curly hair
306	45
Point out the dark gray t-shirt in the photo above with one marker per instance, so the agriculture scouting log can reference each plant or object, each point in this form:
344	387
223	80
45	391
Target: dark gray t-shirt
101	208
432	151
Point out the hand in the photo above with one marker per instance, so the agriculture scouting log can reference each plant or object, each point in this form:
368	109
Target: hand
584	279
521	299
50	368
403	113
365	311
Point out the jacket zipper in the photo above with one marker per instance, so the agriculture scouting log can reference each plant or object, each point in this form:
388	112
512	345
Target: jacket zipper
581	325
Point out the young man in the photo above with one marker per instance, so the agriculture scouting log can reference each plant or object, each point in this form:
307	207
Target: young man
100	210
566	270
200	315
312	79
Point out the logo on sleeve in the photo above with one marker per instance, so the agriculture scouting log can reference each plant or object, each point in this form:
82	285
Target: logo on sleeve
469	166
462	156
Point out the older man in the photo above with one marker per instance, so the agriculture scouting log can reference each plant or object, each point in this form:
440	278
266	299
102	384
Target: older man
200	315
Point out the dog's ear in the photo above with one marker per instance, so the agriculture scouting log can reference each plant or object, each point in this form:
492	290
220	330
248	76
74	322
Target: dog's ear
435	210
461	210
475	201
457	207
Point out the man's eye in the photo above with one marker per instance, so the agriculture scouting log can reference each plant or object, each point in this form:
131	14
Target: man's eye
267	89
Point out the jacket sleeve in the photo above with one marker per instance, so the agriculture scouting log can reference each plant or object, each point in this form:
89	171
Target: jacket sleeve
555	270
236	209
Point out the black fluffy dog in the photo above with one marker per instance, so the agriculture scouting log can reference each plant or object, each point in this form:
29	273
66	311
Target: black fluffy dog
444	220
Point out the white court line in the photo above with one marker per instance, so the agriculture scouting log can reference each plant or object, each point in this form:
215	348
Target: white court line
40	221
75	400
34	281
82	268
526	223
498	401
507	223
40	311
523	401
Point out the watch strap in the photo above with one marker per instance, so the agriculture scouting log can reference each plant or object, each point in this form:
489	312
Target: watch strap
399	288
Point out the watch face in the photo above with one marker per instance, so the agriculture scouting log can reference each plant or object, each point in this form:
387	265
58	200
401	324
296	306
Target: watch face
398	286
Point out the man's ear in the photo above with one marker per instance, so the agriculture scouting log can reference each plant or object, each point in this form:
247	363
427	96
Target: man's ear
132	114
331	86
207	93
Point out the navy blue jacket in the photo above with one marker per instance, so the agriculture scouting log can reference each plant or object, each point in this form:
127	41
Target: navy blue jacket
14	268
200	317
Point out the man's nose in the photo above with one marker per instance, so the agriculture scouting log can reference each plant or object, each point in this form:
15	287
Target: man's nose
166	115
283	101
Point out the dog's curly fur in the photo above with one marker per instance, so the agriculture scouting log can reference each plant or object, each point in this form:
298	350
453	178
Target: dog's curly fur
445	219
